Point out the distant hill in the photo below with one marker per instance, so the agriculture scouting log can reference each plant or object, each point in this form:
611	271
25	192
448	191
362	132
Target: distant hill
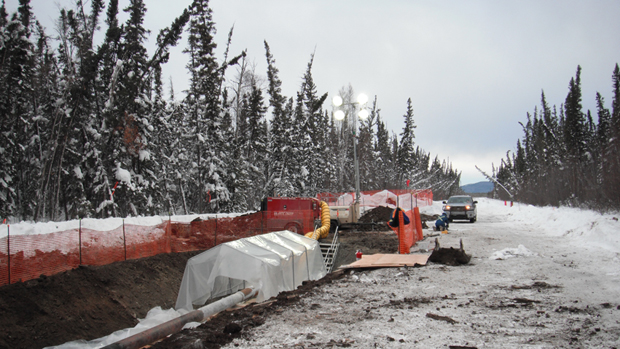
480	187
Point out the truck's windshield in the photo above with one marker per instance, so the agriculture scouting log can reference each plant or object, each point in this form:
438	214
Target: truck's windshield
459	200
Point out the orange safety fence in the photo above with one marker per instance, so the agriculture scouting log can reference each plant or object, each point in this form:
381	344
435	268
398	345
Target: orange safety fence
411	233
26	257
416	198
406	233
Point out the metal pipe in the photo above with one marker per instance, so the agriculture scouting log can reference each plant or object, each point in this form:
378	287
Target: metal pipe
175	325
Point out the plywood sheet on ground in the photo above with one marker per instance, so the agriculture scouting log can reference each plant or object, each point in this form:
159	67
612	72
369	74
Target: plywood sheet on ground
389	261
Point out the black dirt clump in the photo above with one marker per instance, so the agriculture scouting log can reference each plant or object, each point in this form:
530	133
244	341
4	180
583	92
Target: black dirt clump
449	256
380	214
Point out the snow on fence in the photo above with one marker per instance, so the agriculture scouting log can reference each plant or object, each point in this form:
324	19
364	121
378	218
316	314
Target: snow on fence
28	256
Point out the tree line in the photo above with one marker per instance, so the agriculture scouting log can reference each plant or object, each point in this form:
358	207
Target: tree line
565	157
87	129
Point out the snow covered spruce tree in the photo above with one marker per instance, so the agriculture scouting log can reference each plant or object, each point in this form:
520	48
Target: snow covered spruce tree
251	141
279	171
205	165
575	137
369	172
406	156
47	92
611	179
17	112
309	127
65	181
165	136
129	120
385	168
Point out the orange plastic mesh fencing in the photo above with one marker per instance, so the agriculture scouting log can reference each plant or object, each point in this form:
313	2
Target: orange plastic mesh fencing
405	232
418	224
26	257
30	256
416	198
125	242
204	234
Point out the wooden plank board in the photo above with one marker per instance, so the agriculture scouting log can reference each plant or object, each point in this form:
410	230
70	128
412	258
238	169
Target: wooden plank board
399	260
388	261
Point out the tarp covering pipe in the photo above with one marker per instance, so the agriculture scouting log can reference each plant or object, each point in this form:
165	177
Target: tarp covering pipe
175	325
323	231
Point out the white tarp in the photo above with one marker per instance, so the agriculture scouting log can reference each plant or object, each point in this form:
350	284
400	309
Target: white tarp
383	198
272	263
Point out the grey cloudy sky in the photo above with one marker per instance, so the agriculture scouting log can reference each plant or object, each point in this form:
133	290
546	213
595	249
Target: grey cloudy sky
472	69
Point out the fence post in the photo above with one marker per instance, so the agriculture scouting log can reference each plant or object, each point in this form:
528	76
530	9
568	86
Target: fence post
8	248
169	234
124	240
80	239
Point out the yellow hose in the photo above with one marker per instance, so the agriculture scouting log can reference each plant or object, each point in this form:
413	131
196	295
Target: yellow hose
323	231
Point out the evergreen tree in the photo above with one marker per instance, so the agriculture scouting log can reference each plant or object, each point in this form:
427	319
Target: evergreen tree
406	158
16	110
281	130
386	176
309	135
611	158
365	150
575	133
206	167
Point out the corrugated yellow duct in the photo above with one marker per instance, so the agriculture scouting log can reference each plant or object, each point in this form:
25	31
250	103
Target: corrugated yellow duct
323	231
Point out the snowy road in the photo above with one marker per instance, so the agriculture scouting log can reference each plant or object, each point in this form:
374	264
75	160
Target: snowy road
557	284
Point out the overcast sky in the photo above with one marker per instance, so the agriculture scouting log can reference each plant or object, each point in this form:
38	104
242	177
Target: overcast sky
472	69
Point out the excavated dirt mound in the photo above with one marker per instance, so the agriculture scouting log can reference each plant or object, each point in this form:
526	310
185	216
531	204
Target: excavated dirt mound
92	302
87	302
380	214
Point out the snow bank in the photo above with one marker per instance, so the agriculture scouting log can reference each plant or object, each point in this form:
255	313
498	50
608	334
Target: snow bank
579	226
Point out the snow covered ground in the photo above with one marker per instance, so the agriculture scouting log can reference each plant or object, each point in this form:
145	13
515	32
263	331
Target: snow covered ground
538	278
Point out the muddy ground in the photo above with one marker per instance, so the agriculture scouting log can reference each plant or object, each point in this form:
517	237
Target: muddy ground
92	302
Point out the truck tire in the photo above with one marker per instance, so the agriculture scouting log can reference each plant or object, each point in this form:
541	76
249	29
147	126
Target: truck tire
294	227
333	224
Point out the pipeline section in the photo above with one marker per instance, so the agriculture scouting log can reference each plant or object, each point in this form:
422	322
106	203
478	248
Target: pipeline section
323	231
175	325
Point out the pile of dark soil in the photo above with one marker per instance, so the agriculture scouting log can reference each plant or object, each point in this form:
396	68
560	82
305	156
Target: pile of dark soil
367	242
92	302
380	214
87	302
